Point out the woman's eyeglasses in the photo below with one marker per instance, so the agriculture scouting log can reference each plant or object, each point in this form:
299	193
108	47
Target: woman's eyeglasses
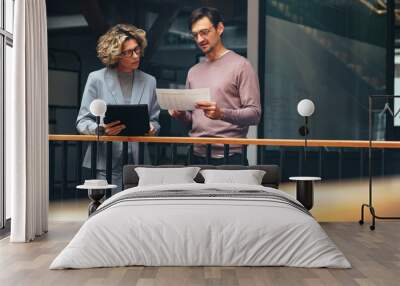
129	53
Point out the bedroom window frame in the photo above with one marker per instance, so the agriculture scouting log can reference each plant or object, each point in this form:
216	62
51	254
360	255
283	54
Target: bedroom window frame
6	42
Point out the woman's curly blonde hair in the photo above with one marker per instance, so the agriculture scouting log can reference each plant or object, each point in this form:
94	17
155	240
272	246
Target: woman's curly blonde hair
110	44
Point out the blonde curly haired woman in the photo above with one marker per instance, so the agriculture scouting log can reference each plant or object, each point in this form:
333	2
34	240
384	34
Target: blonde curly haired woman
121	82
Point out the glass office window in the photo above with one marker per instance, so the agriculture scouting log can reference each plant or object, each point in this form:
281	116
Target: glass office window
332	52
178	52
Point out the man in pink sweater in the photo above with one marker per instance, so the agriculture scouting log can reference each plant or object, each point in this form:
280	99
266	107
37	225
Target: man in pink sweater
233	85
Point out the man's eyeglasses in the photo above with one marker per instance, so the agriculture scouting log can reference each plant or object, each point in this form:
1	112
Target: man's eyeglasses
129	53
203	33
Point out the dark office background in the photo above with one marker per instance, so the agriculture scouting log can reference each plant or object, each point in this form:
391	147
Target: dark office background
334	52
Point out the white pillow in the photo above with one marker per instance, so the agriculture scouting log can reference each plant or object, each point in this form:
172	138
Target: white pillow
248	177
166	176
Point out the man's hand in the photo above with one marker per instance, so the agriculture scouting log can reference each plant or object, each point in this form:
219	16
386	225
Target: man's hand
113	128
176	113
210	109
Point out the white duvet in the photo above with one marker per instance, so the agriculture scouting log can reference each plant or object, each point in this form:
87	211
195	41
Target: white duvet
200	231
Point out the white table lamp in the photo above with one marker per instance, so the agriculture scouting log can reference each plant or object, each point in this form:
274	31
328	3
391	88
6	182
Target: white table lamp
98	108
305	108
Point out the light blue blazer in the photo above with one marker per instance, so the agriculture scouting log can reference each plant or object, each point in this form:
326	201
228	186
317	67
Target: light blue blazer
104	84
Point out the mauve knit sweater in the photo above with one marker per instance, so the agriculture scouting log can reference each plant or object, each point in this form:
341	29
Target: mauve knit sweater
234	87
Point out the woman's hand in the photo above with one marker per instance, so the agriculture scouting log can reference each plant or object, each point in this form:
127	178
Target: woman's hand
113	128
152	131
176	113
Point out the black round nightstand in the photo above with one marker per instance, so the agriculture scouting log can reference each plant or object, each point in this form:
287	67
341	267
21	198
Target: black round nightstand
305	190
95	194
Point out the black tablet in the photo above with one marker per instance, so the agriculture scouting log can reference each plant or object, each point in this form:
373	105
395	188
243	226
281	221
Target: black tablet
134	116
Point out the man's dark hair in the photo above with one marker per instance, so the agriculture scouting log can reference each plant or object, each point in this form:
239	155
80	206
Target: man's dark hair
211	13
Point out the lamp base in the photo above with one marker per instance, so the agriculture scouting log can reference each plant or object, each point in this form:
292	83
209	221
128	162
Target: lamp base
303	131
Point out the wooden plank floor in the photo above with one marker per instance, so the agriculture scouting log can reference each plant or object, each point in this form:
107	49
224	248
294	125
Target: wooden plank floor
375	257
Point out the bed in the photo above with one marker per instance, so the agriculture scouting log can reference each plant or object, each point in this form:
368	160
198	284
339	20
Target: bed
201	224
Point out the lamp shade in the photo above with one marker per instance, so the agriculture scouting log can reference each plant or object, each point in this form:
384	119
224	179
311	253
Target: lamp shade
305	107
98	107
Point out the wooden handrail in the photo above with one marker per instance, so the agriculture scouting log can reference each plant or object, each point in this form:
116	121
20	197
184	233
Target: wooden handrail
238	141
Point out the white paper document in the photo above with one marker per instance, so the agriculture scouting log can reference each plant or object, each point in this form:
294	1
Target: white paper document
181	99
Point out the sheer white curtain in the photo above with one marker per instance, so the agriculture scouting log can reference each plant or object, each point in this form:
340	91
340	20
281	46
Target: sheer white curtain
27	124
